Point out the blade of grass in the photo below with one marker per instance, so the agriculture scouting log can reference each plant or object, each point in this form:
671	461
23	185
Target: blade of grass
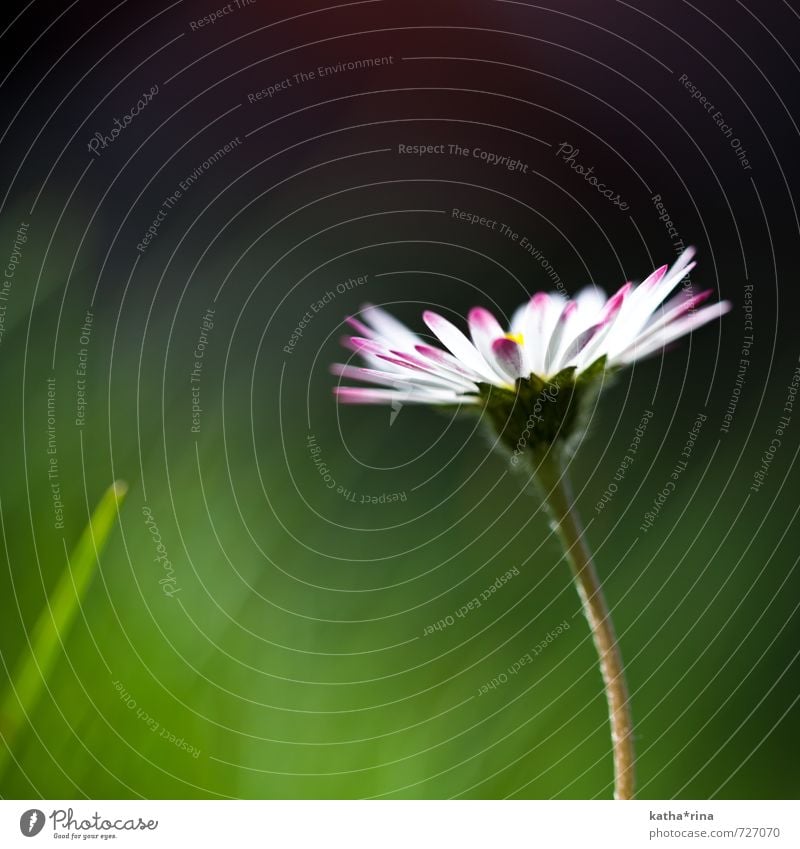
52	628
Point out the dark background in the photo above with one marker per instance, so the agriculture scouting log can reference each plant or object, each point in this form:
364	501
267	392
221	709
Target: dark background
294	655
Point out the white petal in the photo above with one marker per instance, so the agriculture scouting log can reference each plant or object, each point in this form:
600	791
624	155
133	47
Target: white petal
652	292
363	395
458	344
590	301
447	362
562	333
539	320
672	331
484	328
610	319
392	330
399	380
508	357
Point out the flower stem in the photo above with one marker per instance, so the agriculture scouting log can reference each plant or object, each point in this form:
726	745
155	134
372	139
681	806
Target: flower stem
558	497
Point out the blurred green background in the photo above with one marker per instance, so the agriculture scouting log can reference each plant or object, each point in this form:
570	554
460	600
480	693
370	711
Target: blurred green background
289	656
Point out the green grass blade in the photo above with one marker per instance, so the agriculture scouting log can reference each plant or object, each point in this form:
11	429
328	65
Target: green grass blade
52	628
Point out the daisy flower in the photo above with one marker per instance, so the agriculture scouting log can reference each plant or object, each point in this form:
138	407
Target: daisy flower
548	336
534	381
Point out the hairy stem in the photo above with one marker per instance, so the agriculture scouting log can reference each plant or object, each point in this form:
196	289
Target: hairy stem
558	497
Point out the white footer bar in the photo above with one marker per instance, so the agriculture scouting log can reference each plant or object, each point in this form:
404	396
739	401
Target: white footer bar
390	824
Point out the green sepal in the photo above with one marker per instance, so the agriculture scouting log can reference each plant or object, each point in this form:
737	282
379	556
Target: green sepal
540	412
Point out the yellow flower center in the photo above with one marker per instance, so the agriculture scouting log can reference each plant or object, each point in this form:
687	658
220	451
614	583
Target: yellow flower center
516	337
